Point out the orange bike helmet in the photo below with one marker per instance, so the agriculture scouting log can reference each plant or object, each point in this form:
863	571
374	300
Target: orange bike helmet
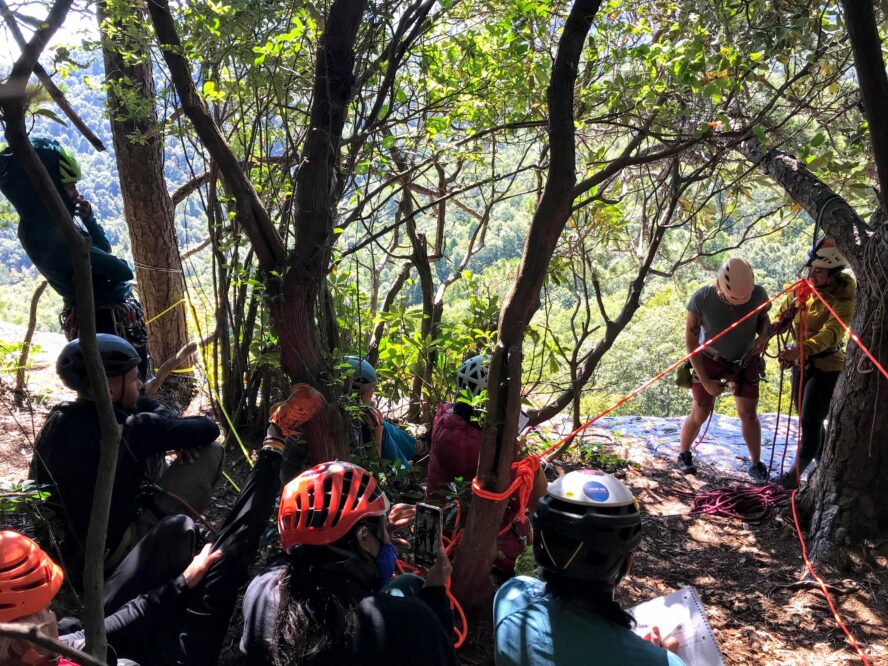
29	579
324	503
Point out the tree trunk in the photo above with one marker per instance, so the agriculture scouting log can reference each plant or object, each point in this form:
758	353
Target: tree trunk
847	498
301	316
471	581
20	395
147	206
298	303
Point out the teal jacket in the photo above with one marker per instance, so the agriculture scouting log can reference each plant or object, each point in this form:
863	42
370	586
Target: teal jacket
44	244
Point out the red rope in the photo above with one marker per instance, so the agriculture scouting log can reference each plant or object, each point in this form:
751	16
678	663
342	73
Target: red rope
461	634
802	294
851	334
526	471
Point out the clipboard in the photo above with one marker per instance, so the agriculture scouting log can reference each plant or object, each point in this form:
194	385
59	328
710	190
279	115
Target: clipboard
680	614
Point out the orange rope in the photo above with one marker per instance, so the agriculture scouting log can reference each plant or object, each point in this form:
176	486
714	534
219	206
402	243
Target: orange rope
851	334
525	472
802	294
461	634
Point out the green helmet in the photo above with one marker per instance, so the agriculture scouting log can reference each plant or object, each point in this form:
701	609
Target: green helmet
69	167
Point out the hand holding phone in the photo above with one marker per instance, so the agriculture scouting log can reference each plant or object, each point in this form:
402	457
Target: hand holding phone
427	537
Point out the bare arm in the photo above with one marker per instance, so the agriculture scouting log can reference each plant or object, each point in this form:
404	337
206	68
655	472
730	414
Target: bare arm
693	325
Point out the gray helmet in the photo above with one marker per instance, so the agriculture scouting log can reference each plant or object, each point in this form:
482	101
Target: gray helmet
586	527
472	374
118	358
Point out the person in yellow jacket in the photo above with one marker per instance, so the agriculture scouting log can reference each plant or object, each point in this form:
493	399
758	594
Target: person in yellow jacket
823	345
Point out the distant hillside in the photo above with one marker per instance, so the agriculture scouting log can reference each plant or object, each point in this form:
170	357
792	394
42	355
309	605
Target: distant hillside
100	184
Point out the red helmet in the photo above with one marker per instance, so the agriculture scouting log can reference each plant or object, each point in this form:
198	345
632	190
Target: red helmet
324	503
29	579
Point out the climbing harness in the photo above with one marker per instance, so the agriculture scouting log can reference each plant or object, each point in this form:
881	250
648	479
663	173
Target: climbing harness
127	318
750	504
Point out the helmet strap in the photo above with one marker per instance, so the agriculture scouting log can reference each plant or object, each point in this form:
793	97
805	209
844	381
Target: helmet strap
552	557
572	557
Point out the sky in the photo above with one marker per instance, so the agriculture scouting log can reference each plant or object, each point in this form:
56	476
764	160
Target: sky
79	24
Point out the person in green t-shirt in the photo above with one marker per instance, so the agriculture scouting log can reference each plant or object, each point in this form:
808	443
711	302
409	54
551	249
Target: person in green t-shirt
733	361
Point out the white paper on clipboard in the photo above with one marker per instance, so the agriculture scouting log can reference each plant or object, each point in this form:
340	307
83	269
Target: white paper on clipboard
680	614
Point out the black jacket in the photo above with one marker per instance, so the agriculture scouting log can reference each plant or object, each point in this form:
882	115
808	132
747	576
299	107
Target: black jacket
66	460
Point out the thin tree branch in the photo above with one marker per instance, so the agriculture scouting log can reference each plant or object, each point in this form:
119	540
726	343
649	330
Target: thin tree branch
31	633
44	78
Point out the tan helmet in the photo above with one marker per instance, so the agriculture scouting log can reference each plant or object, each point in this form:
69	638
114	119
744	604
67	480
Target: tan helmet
736	281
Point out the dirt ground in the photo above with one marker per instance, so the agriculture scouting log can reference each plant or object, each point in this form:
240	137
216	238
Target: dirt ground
740	571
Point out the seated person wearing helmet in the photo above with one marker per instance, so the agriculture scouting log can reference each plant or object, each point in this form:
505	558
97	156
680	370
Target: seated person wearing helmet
67	448
734	359
824	353
29	580
585	530
166	605
117	311
456	445
389	441
323	604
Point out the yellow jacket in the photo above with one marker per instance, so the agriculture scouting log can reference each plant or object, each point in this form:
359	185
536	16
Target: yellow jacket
823	331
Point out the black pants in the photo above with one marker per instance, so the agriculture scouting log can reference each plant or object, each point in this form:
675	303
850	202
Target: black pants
195	637
161	555
189	629
816	395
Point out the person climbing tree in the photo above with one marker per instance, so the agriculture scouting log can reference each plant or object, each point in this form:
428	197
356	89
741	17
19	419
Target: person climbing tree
733	360
117	312
824	354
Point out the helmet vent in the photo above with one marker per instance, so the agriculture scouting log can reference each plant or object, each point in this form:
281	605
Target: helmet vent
14	564
343	495
362	488
31	585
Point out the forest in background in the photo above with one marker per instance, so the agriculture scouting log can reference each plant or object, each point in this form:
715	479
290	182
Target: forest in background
780	238
542	180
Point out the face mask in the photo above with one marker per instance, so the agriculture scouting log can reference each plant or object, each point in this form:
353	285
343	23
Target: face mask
385	563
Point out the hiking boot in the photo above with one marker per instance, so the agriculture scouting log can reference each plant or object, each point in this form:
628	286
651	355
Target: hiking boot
303	403
789	480
759	473
686	463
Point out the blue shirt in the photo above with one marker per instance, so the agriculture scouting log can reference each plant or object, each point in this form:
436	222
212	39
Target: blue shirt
536	629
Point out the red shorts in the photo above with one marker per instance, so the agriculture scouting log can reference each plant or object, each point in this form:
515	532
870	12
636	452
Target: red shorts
745	380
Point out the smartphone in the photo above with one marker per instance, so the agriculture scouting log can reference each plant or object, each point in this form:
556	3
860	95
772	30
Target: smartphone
427	536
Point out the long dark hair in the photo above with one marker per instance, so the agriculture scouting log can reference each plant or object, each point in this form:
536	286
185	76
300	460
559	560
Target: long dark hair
320	590
467	412
594	596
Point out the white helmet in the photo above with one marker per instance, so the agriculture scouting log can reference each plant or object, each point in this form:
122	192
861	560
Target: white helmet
736	281
472	375
826	255
586	527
